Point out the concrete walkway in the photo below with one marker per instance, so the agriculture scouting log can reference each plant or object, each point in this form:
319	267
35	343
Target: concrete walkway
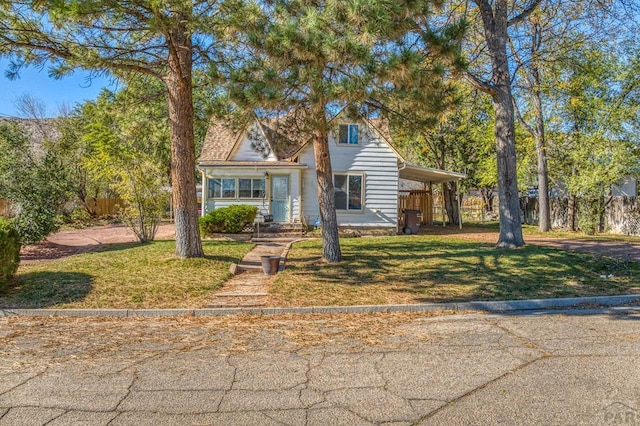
383	369
249	287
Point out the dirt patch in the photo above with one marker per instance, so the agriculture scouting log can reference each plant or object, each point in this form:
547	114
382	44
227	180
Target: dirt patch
74	241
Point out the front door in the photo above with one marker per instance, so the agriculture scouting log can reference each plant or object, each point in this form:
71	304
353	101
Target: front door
280	198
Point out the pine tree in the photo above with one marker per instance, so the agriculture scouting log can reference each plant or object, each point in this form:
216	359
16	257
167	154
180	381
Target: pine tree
313	58
160	39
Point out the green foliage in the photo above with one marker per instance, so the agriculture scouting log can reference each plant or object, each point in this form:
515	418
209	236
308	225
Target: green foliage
79	215
142	187
589	216
9	252
591	143
229	220
127	136
34	180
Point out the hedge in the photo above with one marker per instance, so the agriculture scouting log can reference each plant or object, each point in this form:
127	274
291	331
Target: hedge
228	220
9	252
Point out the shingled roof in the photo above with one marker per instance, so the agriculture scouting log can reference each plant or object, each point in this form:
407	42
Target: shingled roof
219	141
285	136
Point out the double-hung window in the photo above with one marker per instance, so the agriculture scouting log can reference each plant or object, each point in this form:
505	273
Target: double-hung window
251	188
222	188
237	188
349	193
348	134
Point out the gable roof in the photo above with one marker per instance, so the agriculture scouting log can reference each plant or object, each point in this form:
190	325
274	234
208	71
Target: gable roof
282	134
219	141
285	137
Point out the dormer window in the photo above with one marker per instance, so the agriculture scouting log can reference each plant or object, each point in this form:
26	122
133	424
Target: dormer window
348	134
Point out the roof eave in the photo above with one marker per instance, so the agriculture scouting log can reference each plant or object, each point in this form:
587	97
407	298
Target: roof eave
428	174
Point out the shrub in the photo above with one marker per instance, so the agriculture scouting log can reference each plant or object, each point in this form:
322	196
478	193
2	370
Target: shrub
588	216
228	220
9	252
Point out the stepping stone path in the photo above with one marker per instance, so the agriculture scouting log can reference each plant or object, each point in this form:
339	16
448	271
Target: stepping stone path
249	286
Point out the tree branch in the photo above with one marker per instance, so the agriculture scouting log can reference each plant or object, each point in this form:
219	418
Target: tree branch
524	14
480	84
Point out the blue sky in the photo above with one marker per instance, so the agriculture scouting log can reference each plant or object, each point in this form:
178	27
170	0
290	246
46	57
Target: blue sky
69	90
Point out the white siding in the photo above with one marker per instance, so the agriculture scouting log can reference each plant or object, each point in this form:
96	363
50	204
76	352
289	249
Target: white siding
246	149
255	173
375	160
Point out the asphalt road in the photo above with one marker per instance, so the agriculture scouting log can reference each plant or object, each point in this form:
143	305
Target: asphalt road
395	369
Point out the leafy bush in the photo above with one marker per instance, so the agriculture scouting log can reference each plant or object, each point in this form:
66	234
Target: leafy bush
588	216
228	220
79	215
9	252
35	183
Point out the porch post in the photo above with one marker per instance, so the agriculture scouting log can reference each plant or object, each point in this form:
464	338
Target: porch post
459	204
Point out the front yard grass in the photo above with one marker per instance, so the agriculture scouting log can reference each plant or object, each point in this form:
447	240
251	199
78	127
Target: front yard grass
125	276
532	230
422	269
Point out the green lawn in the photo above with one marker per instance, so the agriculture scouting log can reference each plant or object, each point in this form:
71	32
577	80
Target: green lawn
419	269
126	276
532	230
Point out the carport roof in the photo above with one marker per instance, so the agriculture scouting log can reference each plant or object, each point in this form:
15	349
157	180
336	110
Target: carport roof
427	174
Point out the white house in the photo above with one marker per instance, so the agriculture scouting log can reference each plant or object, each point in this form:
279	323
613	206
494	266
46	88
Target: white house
270	165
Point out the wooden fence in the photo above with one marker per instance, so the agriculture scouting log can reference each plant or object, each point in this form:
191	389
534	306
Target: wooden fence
621	214
5	208
104	206
96	206
416	200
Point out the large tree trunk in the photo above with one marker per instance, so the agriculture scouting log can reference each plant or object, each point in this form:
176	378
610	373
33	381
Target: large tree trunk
183	155
449	191
495	26
326	198
487	199
544	224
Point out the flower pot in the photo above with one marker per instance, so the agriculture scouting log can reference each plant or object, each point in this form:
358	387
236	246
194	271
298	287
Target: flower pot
270	264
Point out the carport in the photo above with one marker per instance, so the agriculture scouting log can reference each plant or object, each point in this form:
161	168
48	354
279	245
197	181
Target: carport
422	199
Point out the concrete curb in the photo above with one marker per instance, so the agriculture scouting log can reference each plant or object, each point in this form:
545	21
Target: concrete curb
285	252
488	306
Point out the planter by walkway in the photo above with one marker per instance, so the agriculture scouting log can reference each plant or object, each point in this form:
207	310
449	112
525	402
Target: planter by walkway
270	264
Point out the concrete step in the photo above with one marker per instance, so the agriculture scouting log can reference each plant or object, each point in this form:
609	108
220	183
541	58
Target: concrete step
233	304
240	294
278	230
276	236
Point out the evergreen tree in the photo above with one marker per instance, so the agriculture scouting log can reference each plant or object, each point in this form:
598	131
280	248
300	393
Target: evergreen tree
310	59
163	39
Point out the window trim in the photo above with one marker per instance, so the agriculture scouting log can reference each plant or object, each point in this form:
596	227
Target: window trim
252	189
236	179
349	126
362	176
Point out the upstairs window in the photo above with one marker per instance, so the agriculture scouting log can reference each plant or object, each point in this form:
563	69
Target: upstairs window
348	134
348	191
